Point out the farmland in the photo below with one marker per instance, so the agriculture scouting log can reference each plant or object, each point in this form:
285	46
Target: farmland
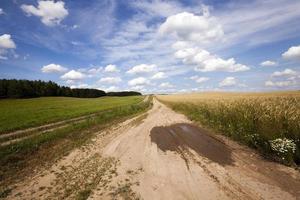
25	150
24	113
269	122
119	152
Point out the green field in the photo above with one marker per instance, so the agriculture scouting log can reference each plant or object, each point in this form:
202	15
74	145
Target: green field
23	113
20	158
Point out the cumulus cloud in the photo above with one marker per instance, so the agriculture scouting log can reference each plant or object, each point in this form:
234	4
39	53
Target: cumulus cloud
112	89
6	43
228	81
138	88
81	85
138	81
181	45
110	80
111	68
285	78
280	83
53	68
268	63
199	79
189	27
73	75
159	75
292	53
286	72
142	68
50	12
206	62
1	11
166	85
94	70
109	89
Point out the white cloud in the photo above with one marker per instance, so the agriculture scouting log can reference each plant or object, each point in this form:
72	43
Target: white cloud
228	81
69	82
94	70
1	11
81	85
112	89
75	26
138	88
286	72
285	78
199	79
181	45
6	42
50	12
111	68
294	77
268	63
109	89
206	62
138	81
279	83
142	68
219	64
189	27
292	53
110	80
53	68
193	77
159	75
73	75
166	85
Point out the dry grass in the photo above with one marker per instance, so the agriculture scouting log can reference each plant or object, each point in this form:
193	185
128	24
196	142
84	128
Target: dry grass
253	118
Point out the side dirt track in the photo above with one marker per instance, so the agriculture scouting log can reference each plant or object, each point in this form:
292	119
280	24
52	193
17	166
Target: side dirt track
161	155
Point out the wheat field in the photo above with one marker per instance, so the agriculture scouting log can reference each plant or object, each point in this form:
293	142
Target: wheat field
269	122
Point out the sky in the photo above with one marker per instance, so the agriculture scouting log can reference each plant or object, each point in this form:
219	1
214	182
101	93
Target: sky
153	46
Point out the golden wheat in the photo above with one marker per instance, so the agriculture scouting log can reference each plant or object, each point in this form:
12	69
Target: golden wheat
253	118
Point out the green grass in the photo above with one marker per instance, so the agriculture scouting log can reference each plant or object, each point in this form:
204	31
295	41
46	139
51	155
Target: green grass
24	113
23	157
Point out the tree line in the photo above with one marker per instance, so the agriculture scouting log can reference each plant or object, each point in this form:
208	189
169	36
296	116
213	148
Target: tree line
27	89
123	93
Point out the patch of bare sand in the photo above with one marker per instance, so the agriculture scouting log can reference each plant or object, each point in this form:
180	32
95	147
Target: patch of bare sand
77	174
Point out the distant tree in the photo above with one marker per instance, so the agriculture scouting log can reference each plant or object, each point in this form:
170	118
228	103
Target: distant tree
123	93
25	89
13	89
3	87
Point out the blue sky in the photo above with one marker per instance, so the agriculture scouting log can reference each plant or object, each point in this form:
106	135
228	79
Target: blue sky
153	46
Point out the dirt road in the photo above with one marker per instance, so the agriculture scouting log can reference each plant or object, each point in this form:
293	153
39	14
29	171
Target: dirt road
161	155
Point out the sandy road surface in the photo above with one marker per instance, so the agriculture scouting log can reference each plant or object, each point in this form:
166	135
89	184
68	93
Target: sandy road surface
161	155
